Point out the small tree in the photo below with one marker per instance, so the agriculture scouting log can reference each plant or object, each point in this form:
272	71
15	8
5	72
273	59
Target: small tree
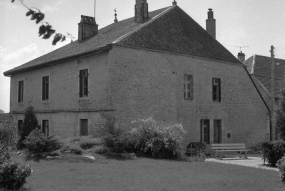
30	123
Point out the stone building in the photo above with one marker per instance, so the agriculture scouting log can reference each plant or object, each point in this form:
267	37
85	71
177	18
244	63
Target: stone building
259	67
158	64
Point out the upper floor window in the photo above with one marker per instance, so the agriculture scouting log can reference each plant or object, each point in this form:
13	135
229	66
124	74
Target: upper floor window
216	82
188	87
83	83
21	91
45	88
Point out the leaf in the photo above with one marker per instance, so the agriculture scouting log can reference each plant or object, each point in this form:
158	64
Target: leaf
40	17
42	30
34	16
48	34
30	12
63	38
56	38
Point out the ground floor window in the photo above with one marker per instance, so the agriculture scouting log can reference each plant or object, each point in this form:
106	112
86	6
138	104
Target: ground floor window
45	127
205	131
20	123
83	127
217	131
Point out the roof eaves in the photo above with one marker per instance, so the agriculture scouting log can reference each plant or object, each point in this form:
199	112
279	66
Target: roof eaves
143	25
57	61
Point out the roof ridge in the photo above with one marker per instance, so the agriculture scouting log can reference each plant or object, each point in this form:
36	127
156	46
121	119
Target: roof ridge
143	25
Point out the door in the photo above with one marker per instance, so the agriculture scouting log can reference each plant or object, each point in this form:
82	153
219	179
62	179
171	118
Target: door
217	131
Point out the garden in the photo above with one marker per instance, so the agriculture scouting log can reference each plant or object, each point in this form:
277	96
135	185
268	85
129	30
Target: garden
148	157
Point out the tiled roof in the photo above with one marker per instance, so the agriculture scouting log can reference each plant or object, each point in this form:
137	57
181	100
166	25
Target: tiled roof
177	32
260	67
168	29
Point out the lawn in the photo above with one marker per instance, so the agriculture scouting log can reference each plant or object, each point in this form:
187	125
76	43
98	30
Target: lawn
146	174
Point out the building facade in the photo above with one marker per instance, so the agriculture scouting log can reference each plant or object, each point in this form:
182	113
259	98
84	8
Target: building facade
158	64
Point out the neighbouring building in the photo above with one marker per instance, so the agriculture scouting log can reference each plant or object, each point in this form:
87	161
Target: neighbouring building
159	64
259	67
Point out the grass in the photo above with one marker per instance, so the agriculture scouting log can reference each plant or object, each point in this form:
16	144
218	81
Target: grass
107	173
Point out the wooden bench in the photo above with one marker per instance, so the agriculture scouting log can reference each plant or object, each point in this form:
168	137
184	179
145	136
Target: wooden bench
229	147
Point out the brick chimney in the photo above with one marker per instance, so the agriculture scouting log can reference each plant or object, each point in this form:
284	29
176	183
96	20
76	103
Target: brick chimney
87	28
241	56
211	24
141	11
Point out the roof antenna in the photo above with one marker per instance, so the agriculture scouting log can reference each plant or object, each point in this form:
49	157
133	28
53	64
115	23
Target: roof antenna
240	47
174	3
116	20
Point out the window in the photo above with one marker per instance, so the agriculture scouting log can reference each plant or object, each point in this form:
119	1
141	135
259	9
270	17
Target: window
45	88
21	91
188	87
83	127
217	131
45	127
83	83
20	123
216	89
205	131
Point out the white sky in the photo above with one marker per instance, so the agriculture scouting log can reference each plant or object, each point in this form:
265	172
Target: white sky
254	23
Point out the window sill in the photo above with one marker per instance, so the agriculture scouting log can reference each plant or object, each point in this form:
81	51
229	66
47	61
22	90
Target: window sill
45	101
83	98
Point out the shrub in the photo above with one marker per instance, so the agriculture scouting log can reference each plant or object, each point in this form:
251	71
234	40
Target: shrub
117	144
281	167
37	142
158	139
4	153
13	175
8	132
73	139
89	142
100	149
273	151
72	149
257	147
30	123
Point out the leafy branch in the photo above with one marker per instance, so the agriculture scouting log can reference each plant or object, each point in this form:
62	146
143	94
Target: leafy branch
45	29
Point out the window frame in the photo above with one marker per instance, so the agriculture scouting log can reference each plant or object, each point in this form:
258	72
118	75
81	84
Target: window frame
21	91
188	86
216	90
83	127
83	83
45	88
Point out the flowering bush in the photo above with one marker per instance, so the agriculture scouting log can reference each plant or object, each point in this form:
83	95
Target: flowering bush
13	175
158	139
281	167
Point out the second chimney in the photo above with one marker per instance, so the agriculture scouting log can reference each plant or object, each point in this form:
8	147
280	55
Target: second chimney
87	28
211	24
141	11
241	56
